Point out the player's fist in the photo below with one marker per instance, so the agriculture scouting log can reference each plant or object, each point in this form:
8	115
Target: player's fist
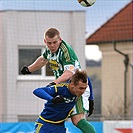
25	70
91	107
58	99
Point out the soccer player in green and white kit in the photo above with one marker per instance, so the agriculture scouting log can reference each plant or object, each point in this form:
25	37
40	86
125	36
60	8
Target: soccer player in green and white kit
64	62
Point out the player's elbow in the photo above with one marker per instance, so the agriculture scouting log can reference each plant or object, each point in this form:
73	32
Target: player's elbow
36	91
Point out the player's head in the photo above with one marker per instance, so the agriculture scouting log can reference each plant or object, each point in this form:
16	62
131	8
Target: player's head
52	39
79	82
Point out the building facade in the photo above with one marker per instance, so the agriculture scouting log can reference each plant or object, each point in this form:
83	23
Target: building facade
115	41
21	42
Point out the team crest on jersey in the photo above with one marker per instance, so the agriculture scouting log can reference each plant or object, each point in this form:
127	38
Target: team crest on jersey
54	65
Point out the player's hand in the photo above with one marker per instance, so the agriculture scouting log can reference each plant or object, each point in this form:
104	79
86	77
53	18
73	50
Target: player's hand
91	107
58	99
50	84
25	70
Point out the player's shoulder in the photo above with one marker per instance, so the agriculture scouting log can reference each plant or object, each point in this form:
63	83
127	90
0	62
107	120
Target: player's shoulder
65	85
61	87
65	46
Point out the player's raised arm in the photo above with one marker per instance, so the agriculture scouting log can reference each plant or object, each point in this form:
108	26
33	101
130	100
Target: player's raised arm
39	63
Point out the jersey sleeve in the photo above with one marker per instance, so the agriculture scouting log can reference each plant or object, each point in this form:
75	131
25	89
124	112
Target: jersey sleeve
91	90
69	58
46	93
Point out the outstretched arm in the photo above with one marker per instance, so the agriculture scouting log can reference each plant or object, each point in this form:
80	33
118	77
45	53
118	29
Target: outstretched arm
39	63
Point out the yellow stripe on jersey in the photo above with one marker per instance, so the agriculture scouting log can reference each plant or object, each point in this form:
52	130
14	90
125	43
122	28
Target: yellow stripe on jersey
55	88
65	51
56	122
39	125
62	84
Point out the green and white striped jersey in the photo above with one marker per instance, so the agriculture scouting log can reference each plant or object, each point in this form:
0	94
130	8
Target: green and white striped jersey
64	59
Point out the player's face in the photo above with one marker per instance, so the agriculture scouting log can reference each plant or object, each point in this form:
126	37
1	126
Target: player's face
80	88
53	43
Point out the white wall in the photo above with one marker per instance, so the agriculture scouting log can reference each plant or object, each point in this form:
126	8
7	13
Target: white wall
117	127
26	28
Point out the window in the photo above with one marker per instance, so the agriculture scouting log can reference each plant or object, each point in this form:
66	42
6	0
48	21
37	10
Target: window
27	56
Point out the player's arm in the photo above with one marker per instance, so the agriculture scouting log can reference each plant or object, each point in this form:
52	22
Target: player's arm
64	77
91	98
91	90
39	63
43	93
49	93
68	73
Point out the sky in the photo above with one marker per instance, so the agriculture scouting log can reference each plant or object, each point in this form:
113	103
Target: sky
96	15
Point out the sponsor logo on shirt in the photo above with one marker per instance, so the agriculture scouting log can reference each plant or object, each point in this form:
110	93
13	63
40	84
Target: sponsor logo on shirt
54	65
68	100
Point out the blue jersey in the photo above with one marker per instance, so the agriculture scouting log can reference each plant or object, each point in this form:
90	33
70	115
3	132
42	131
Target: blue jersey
56	113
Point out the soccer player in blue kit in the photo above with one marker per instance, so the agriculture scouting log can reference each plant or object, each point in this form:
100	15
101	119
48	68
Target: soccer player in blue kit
61	99
64	62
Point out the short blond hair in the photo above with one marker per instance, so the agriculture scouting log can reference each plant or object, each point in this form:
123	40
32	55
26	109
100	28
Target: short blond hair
51	32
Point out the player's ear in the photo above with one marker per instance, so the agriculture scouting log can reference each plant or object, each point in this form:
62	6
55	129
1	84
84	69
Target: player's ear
44	41
71	83
60	40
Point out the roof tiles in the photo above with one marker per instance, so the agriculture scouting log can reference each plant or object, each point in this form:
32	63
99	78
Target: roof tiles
118	28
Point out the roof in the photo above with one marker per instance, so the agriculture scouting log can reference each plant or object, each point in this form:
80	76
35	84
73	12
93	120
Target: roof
117	29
